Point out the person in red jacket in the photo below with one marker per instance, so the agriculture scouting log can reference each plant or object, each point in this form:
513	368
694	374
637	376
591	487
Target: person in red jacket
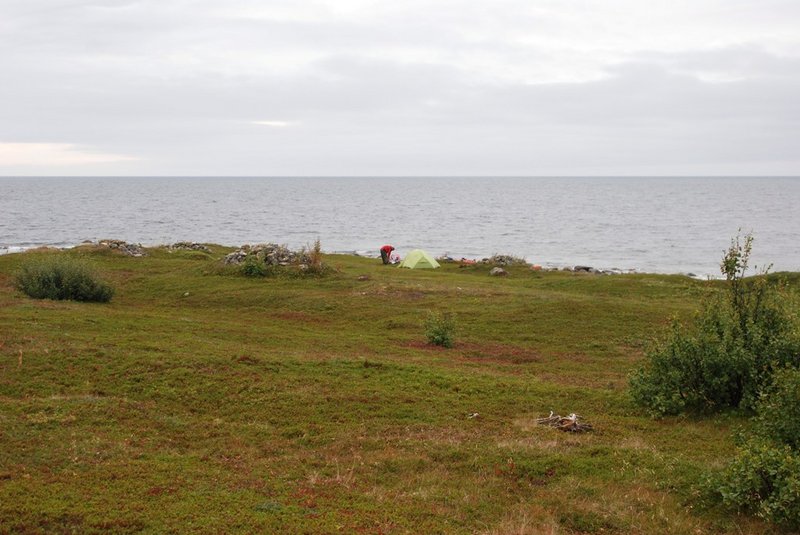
386	252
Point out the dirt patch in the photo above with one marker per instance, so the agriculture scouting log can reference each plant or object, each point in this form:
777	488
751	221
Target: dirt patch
496	352
6	281
476	352
52	303
392	292
609	381
304	317
418	344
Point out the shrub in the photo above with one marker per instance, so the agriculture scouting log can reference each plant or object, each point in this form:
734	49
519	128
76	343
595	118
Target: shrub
62	278
765	475
254	267
764	478
778	410
440	329
728	357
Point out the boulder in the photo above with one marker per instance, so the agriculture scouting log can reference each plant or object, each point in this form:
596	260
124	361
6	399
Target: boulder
498	272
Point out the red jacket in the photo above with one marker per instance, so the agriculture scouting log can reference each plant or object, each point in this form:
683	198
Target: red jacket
387	249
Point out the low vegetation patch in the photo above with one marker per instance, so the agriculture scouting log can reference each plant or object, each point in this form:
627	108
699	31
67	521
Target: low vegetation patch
62	278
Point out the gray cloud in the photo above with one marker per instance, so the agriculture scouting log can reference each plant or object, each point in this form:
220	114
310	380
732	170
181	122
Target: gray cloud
455	88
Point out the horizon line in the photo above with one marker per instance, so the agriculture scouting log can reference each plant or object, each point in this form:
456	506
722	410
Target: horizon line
406	176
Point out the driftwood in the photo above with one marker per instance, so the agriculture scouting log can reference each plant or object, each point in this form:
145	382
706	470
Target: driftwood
571	423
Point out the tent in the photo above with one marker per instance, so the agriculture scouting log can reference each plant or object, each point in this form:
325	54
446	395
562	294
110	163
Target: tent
419	259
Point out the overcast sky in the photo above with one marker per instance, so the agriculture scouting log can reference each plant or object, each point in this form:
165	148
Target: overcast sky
411	87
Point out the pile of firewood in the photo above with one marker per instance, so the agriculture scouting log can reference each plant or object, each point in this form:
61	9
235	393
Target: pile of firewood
571	423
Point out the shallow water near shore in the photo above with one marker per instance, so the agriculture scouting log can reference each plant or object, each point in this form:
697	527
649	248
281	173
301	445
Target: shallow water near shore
663	225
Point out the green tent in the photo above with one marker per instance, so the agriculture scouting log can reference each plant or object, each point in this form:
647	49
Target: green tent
419	259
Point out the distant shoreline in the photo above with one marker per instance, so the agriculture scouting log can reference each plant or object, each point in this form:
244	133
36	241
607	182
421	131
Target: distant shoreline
479	259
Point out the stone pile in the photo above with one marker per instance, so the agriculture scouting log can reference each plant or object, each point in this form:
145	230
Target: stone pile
130	249
504	260
188	246
271	254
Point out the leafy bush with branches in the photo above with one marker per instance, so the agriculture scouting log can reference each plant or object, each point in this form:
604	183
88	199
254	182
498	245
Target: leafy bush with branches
739	339
778	410
440	329
764	478
59	278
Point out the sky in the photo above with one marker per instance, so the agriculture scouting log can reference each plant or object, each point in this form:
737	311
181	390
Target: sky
417	87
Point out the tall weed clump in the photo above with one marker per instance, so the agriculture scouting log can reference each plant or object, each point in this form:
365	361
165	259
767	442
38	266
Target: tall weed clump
727	358
315	257
764	477
312	260
62	278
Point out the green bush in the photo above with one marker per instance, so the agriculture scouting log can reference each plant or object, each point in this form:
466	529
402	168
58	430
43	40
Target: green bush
728	357
57	277
765	475
778	410
764	478
254	267
440	329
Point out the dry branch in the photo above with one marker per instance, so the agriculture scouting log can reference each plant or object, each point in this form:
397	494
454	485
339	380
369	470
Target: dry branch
571	423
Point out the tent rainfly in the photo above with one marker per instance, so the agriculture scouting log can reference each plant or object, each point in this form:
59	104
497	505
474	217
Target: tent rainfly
419	259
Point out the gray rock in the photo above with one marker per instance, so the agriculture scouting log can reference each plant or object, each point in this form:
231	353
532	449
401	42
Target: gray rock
188	246
130	249
498	272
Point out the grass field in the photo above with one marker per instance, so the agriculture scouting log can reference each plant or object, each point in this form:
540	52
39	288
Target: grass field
209	403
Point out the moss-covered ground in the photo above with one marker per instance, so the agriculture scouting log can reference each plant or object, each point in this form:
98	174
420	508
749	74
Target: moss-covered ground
211	403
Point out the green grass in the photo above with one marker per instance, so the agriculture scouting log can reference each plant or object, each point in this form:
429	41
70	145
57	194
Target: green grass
201	402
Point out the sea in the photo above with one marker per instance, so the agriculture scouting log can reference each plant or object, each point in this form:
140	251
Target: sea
644	224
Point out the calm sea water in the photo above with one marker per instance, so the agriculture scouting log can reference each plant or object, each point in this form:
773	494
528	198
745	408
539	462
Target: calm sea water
667	225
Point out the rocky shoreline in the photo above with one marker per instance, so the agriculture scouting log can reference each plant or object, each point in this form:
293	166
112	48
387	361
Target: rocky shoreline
281	255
